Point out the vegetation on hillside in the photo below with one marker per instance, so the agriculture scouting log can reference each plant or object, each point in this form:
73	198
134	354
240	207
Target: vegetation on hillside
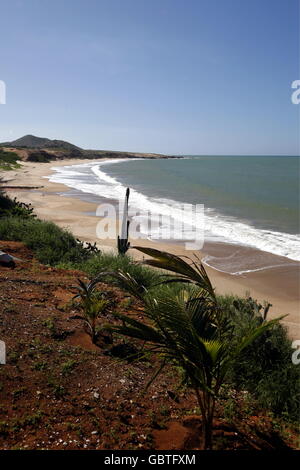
8	160
11	207
31	141
216	343
189	330
38	156
39	149
265	368
51	244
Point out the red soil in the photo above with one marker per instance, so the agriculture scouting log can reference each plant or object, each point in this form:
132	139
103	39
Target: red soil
60	391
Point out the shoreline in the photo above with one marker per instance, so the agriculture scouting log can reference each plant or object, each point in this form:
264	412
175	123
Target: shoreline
278	285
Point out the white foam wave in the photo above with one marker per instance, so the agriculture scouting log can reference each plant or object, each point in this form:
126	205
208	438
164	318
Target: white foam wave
91	178
222	265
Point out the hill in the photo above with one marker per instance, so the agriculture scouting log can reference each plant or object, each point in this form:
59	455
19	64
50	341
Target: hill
41	149
31	141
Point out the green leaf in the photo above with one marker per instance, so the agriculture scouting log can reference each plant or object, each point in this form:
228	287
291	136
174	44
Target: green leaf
191	272
138	329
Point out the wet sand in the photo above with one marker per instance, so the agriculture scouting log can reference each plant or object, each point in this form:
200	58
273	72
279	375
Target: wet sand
52	201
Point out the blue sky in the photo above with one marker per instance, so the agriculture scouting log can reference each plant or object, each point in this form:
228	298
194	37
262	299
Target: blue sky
169	76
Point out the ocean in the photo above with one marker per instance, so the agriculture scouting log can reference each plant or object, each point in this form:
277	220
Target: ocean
248	201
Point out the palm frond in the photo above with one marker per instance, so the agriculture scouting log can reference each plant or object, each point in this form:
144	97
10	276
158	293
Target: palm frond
189	272
136	329
126	282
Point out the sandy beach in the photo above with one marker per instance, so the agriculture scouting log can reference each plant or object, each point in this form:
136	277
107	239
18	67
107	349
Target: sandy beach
279	286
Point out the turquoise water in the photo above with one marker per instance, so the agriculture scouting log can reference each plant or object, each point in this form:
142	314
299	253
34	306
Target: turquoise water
249	201
264	191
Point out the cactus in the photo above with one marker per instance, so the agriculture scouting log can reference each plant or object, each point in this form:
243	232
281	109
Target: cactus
123	243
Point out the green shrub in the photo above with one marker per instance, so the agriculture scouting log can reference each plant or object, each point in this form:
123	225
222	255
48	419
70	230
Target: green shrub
265	368
113	262
8	160
50	243
12	207
39	156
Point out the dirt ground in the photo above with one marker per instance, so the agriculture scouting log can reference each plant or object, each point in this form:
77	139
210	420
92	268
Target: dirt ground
58	390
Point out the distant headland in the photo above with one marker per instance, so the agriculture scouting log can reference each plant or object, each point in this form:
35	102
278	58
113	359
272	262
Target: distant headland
41	149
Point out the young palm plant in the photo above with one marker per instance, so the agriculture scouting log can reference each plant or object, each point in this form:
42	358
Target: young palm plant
93	304
190	330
